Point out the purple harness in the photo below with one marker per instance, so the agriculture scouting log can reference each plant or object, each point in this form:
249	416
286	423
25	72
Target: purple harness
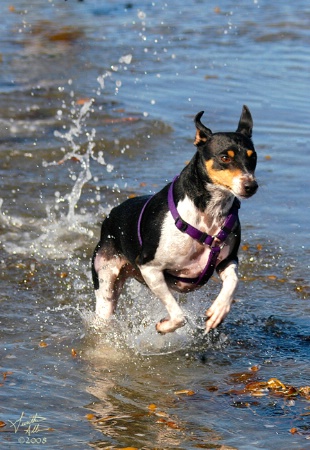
201	237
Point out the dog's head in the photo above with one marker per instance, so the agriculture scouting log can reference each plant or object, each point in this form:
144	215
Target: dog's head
229	158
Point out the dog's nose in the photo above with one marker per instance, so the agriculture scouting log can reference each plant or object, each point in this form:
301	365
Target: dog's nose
251	187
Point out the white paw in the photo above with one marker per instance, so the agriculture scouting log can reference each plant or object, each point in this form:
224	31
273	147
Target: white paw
169	325
216	314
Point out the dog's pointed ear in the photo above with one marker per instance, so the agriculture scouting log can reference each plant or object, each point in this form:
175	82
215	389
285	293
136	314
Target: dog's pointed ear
245	125
202	133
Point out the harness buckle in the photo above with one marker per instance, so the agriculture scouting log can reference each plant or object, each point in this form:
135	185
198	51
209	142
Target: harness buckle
203	237
226	229
216	249
181	224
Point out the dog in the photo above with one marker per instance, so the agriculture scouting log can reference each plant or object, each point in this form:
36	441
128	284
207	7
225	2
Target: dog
175	239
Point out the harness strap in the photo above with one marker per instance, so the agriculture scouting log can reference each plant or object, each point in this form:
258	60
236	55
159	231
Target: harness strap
207	272
203	238
200	236
140	219
183	226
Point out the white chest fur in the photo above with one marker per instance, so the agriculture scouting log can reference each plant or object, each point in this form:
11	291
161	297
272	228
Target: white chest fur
180	254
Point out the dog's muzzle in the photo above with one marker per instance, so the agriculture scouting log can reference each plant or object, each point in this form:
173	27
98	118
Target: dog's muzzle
250	187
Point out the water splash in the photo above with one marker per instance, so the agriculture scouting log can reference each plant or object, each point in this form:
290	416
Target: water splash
60	232
77	132
72	137
132	328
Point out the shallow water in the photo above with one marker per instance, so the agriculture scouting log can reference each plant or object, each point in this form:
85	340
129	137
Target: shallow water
97	102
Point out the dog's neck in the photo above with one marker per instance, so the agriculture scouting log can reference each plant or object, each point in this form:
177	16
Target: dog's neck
213	201
220	201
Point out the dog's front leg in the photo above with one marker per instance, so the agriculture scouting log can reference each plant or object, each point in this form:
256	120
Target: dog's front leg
155	280
221	305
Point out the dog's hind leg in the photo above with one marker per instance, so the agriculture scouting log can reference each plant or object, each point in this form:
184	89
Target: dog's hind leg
108	281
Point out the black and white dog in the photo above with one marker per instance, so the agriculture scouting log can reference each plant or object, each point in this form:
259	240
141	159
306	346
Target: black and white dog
173	240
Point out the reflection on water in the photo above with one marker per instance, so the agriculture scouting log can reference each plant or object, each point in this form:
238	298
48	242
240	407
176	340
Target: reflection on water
97	105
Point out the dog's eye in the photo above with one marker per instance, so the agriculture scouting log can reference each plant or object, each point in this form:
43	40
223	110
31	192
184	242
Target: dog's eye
251	154
225	159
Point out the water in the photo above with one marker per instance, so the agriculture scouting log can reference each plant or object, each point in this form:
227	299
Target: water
97	102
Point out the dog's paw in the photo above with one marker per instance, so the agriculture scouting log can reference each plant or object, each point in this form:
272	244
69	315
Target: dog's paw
215	315
168	325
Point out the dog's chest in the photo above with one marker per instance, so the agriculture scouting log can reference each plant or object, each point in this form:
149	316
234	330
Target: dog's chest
192	259
179	253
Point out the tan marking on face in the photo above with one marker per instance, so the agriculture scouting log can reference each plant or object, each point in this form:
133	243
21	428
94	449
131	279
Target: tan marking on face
224	177
249	153
200	137
231	153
